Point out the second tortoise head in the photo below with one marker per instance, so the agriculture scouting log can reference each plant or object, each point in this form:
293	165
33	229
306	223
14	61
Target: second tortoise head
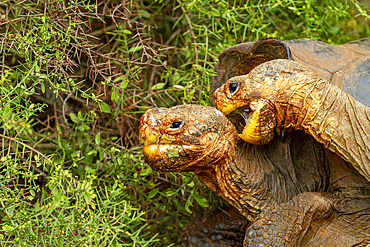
253	96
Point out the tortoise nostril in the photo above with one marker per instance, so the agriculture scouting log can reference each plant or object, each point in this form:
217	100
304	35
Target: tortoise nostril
144	119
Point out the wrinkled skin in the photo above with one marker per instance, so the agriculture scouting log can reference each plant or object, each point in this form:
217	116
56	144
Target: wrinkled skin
282	95
311	203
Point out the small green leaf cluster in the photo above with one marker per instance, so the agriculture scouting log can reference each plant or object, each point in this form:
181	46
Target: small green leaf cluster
70	211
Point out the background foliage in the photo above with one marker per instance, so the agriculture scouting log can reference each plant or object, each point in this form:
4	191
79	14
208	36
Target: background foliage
76	77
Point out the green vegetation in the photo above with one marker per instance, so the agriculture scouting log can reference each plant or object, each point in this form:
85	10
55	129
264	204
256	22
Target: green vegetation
76	77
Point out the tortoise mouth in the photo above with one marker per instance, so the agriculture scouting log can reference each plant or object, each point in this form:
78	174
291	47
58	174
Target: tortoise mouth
240	117
164	150
164	157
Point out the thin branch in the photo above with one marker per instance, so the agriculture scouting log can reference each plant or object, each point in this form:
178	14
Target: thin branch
31	148
191	31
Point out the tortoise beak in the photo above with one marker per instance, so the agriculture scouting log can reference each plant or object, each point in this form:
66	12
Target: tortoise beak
226	108
225	104
259	128
254	131
154	147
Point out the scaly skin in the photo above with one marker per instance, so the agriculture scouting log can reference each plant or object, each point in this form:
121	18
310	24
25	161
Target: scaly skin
284	95
205	144
267	184
312	219
224	228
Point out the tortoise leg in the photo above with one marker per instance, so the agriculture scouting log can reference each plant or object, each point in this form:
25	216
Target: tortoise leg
286	224
223	228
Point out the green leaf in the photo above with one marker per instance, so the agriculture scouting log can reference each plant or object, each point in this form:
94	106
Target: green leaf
88	160
97	138
115	96
86	127
152	193
6	112
126	31
201	200
197	67
135	48
179	87
188	203
170	193
80	116
37	67
124	84
146	172
42	87
87	136
73	117
191	184
101	155
176	76
10	211
120	78
158	86
104	107
7	228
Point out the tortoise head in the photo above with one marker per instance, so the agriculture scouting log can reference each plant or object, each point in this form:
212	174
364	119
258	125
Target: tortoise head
249	100
185	138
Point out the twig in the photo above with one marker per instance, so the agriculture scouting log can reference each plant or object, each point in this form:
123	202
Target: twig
64	107
31	148
191	31
101	31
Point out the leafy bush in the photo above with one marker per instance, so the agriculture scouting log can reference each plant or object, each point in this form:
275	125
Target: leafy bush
76	77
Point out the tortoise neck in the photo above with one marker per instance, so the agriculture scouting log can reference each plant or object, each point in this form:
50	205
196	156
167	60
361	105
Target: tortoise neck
296	106
238	189
332	117
345	180
258	176
234	185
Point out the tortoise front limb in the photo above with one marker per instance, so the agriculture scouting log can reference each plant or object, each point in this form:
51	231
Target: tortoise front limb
287	224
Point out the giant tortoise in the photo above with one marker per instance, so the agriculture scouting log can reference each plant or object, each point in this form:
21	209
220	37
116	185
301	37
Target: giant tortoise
282	95
294	191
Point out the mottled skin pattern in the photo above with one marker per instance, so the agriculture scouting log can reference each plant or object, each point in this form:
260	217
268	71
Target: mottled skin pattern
284	95
224	228
276	186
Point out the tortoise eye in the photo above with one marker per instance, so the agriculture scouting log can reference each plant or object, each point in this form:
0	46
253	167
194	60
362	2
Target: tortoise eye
233	87
176	125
